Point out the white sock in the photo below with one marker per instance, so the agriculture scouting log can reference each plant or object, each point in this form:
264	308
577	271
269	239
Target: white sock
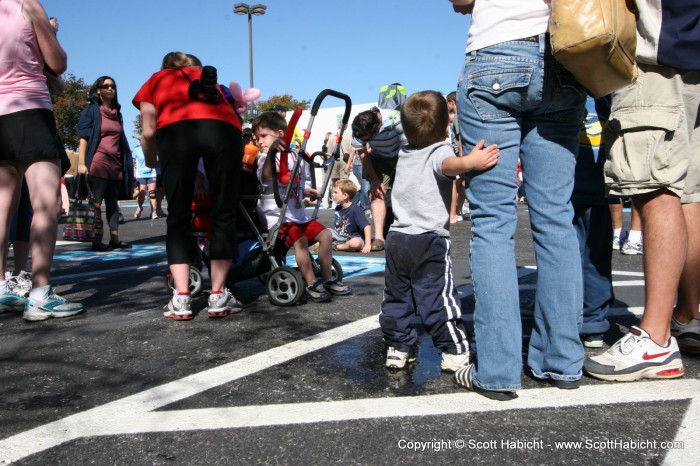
39	293
635	236
617	231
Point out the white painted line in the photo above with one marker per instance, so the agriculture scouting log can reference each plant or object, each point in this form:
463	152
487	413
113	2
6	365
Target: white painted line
133	407
628	283
631	274
410	406
688	435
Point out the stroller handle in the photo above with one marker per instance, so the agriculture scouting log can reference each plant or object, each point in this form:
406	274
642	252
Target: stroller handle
325	93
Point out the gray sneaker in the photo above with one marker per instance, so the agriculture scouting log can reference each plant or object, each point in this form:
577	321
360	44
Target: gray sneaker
50	305
223	304
178	307
631	249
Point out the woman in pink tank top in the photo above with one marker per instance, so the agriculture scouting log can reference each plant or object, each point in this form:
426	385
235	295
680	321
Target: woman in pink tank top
28	50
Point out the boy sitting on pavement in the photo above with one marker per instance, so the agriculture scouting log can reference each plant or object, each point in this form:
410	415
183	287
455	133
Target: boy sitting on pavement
298	229
418	274
350	222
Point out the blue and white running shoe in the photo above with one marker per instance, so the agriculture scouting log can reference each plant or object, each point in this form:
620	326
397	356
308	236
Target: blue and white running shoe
51	305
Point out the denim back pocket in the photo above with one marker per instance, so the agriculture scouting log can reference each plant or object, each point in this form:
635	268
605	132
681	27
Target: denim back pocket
499	90
568	97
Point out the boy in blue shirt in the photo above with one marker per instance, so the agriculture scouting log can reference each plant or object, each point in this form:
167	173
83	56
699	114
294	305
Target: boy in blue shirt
351	224
418	274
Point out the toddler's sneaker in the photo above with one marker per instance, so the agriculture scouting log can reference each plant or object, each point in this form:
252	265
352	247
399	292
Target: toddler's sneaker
636	356
464	377
10	299
593	341
50	305
223	303
336	287
454	362
396	359
317	292
687	335
619	239
178	307
629	248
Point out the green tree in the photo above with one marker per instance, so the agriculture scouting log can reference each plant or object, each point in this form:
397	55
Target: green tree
138	128
286	100
67	108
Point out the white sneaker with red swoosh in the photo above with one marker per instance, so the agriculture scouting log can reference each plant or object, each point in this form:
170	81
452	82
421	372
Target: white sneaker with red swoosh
636	356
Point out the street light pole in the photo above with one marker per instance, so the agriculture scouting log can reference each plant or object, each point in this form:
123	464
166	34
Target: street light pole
257	10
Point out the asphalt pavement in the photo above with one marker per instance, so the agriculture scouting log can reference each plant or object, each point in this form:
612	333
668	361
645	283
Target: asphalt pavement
120	384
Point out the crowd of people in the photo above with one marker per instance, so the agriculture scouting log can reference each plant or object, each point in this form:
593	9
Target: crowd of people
416	165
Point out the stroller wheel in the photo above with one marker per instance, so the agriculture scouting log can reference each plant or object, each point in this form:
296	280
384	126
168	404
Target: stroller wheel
195	282
336	269
285	286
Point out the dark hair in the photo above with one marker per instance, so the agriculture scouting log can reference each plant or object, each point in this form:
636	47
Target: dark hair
452	96
92	94
270	120
425	119
366	125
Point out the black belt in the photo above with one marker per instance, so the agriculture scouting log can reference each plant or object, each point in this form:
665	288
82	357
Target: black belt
529	39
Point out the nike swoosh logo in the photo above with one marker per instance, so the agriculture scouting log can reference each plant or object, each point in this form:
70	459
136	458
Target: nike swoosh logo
646	356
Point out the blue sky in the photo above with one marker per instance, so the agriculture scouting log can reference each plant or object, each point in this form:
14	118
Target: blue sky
299	47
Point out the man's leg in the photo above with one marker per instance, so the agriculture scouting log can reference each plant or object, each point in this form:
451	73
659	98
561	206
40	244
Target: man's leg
664	230
689	288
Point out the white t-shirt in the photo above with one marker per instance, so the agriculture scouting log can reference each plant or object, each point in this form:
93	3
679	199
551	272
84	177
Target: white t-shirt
496	21
267	209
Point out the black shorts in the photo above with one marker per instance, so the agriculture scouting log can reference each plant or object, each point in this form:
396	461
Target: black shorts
28	136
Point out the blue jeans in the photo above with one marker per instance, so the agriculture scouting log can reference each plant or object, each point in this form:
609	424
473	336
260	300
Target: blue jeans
594	231
516	95
362	196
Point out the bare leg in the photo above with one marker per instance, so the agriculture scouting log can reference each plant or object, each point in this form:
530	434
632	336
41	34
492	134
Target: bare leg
9	199
453	203
301	253
665	249
181	276
378	208
325	253
43	179
218	273
689	289
21	255
616	215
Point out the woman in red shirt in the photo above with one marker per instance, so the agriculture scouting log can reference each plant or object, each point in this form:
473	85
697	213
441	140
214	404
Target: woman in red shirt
179	127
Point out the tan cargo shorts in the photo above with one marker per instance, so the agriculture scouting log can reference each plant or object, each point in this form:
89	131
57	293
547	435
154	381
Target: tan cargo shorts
653	137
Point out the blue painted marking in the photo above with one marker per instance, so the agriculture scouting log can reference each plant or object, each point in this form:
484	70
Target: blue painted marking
354	266
137	252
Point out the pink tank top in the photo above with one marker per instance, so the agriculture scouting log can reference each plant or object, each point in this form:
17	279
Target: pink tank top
22	81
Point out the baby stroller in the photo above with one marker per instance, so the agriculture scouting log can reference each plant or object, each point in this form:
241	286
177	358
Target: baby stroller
260	254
